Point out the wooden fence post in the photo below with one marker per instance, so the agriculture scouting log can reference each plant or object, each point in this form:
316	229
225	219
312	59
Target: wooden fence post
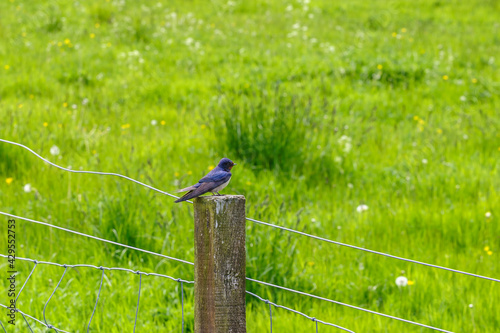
219	264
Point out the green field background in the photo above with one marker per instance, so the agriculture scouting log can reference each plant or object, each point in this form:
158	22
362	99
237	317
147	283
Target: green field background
325	106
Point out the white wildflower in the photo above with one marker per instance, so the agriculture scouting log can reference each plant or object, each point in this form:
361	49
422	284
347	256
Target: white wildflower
488	215
346	143
424	161
154	122
54	150
463	98
361	208
27	188
401	281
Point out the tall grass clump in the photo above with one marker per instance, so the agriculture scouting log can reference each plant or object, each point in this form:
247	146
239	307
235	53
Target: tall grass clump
276	130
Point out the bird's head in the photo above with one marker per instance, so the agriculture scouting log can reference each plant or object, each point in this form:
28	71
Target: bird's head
226	164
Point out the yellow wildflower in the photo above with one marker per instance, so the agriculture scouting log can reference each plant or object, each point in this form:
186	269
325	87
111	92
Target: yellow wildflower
416	118
310	263
45	124
6	67
125	126
445	77
59	125
65	104
97	25
92	35
421	122
380	66
249	183
211	167
486	248
411	283
163	122
9	180
20	105
67	41
190	172
490	253
474	80
394	34
94	151
203	126
403	30
23	34
32	96
108	44
176	174
439	131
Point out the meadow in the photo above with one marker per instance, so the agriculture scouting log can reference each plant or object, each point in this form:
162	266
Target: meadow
373	123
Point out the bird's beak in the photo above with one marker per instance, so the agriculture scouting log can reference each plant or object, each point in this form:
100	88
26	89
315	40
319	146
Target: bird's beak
234	164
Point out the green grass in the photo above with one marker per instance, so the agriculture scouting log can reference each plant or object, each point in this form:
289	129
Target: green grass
324	106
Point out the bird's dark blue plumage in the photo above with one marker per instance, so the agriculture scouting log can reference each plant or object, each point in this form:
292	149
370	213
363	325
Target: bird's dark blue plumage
213	182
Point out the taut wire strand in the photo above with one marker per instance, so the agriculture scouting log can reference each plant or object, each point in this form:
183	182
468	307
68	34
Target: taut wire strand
39	321
96	238
297	312
347	305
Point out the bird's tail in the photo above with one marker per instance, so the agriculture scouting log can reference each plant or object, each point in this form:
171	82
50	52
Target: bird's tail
185	197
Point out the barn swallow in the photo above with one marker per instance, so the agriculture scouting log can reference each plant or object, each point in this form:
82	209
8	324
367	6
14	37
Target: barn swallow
213	182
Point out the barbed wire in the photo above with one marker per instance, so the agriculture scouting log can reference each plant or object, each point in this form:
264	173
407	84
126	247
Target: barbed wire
249	219
295	311
102	269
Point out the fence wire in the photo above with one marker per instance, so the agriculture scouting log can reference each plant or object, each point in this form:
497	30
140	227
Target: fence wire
347	305
96	238
253	220
187	262
247	278
295	311
33	318
102	269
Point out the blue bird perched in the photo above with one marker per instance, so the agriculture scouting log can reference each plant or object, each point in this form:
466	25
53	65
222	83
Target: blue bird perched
213	182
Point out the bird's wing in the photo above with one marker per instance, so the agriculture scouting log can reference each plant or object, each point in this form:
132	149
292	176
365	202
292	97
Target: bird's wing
203	188
190	188
216	175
